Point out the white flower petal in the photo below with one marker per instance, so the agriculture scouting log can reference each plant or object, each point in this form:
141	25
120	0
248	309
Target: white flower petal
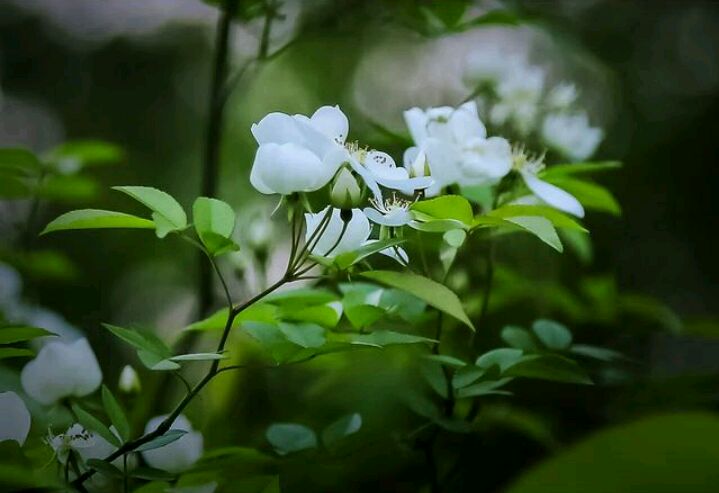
356	233
416	121
179	455
288	168
554	196
276	128
15	418
62	370
331	121
395	218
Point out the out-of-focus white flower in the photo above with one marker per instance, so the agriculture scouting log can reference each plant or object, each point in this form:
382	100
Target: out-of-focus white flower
10	288
571	135
393	212
519	96
38	316
129	381
490	65
334	241
15	418
62	370
179	455
562	96
456	146
528	167
76	438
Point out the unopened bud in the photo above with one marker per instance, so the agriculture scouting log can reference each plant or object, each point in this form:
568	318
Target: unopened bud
420	166
129	380
345	192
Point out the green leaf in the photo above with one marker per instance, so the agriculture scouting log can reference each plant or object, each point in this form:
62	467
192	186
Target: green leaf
552	334
348	259
489	387
15	352
19	161
91	423
658	454
383	338
540	227
362	316
304	335
325	315
444	359
13	188
198	357
455	238
466	376
152	474
343	427
83	153
429	291
68	188
549	367
502	357
214	222
557	218
162	440
105	468
153	353
446	207
301	297
167	214
591	195
96	219
116	414
600	353
290	437
567	169
259	312
12	334
519	338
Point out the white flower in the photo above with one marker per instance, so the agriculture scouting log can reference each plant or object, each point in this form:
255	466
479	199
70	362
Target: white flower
519	95
129	380
330	243
562	96
178	455
15	420
295	153
301	154
76	438
38	316
490	65
456	147
571	134
528	167
392	212
62	370
10	288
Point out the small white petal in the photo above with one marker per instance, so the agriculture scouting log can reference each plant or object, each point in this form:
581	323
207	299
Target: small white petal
14	418
179	455
416	121
288	168
552	195
331	121
395	218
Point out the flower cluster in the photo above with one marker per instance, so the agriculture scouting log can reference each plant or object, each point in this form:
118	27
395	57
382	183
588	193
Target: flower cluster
514	94
452	149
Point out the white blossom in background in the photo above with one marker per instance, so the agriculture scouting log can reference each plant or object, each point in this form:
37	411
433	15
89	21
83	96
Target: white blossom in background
61	370
179	455
571	135
129	381
14	418
562	96
528	167
456	146
10	289
355	234
519	95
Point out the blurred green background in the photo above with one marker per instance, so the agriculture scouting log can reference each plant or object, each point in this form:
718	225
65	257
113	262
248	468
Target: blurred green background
136	73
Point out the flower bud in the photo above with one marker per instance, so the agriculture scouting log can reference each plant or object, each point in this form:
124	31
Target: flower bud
129	380
345	192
